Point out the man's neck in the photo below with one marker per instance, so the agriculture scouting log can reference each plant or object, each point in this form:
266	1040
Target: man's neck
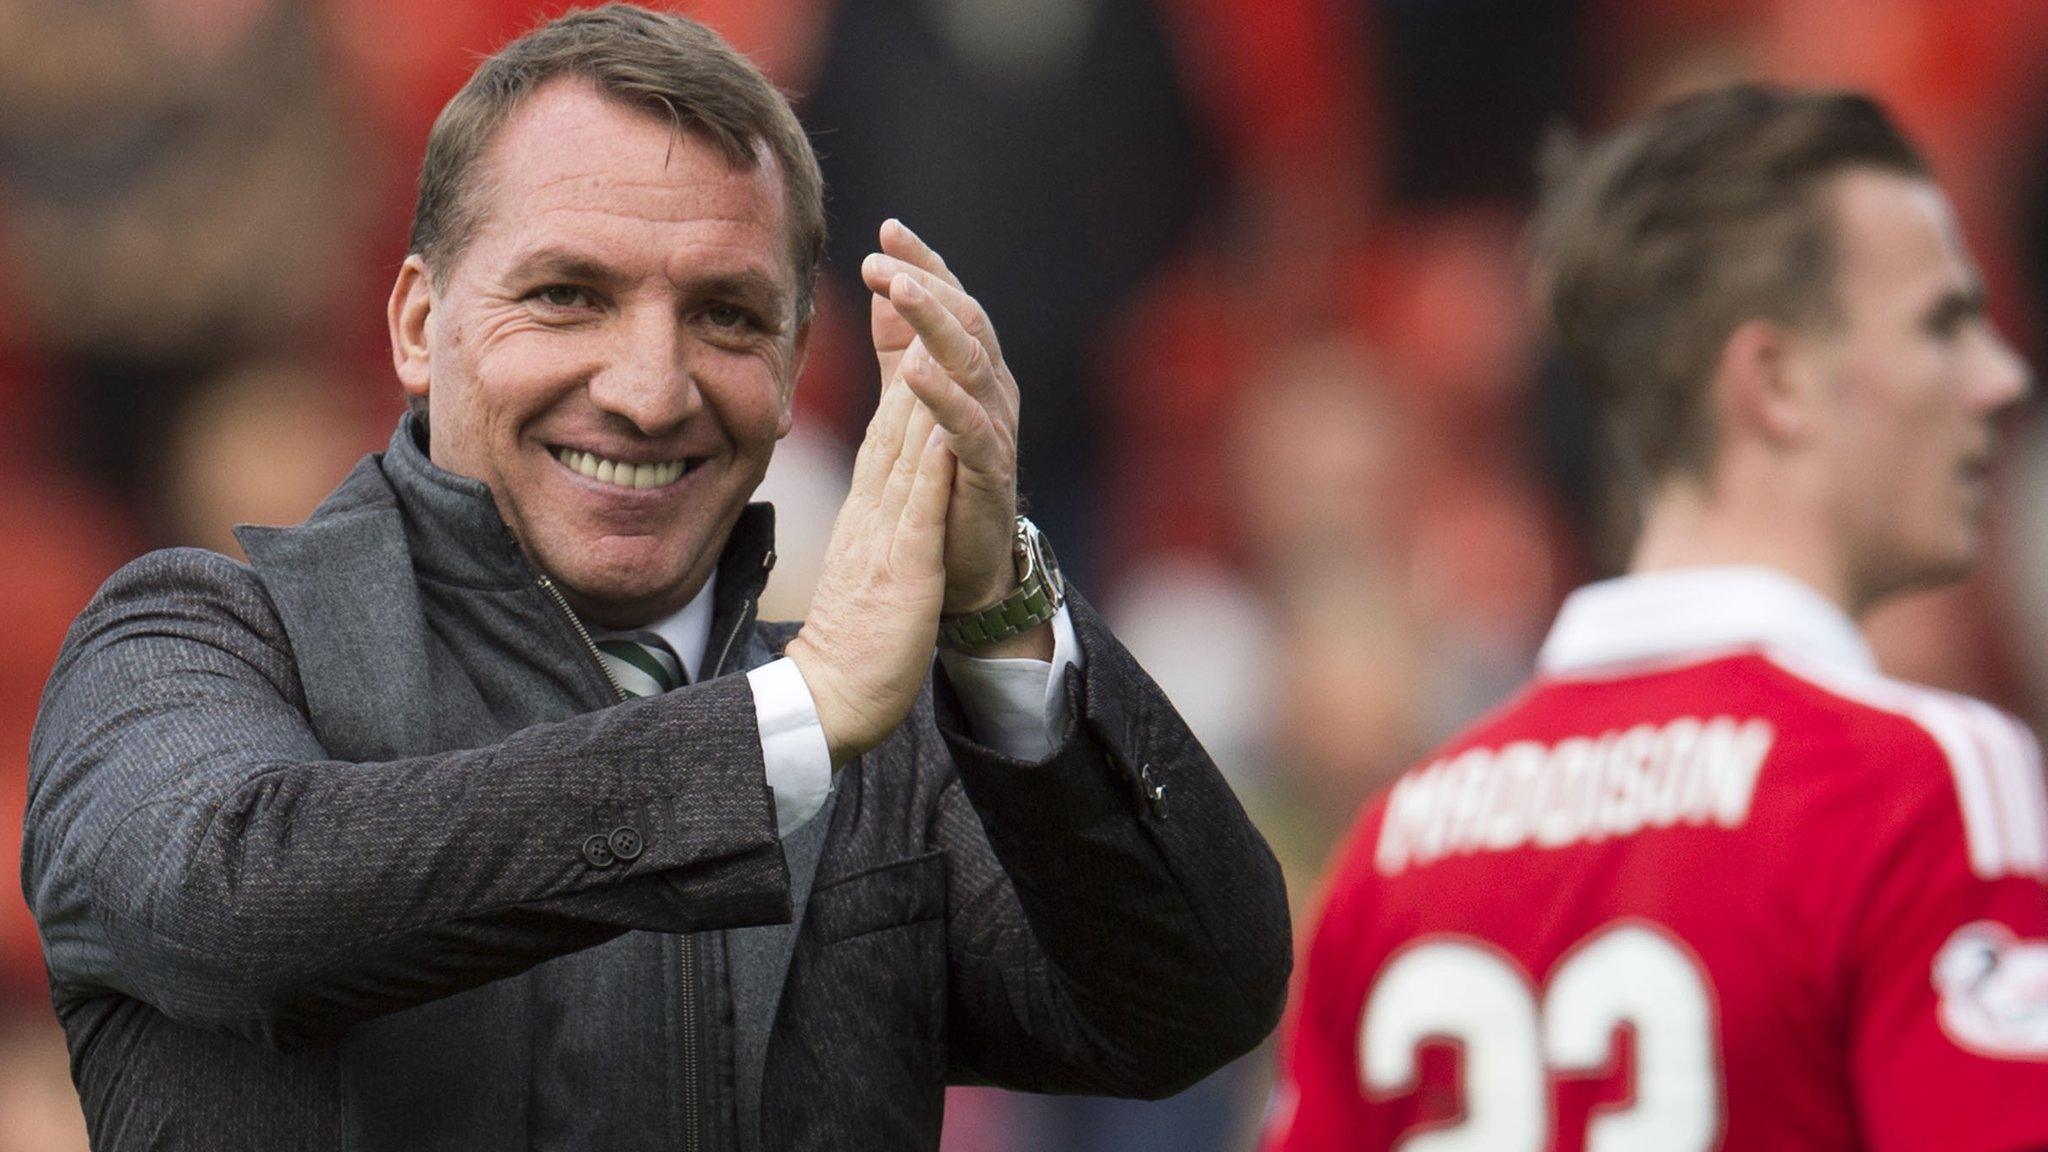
1686	525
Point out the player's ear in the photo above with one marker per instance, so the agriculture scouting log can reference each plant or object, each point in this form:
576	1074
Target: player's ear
1761	385
409	316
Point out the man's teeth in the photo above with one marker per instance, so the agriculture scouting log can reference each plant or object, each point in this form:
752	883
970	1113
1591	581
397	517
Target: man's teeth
620	472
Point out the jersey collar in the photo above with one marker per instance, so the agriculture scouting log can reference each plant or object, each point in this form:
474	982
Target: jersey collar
1687	613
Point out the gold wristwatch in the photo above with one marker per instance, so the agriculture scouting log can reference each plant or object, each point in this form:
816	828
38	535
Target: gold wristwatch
1040	592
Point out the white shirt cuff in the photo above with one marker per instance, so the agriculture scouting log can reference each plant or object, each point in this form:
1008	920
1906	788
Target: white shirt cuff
792	743
1018	706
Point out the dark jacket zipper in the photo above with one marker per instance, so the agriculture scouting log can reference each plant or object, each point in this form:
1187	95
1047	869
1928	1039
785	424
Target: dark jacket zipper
692	1106
619	695
688	947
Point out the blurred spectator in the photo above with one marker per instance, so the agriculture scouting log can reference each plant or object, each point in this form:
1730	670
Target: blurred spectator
1405	570
1320	460
1394	616
1205	634
38	1109
173	191
261	443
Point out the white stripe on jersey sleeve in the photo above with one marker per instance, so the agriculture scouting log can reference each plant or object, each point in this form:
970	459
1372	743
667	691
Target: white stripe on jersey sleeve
2033	797
2022	808
1951	728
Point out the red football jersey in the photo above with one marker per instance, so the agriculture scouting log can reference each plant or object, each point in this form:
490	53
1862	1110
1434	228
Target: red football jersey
1710	882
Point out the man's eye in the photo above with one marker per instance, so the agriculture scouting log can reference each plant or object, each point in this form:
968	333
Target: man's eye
728	316
1945	328
562	296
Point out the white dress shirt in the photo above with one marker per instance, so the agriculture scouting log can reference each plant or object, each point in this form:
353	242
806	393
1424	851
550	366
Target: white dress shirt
1018	706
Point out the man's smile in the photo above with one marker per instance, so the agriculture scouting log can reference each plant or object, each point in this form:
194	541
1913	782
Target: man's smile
625	474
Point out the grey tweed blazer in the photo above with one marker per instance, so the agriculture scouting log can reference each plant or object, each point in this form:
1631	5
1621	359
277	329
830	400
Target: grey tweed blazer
354	849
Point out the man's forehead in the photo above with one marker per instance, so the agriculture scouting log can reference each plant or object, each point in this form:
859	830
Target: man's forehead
1893	224
572	158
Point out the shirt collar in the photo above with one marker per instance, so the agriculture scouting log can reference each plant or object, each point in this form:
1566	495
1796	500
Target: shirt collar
687	630
1658	616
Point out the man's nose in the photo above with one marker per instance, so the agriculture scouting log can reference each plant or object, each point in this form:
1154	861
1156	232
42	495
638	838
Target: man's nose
2005	379
647	378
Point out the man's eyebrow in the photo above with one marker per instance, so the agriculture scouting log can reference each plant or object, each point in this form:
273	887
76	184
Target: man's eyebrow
561	264
744	285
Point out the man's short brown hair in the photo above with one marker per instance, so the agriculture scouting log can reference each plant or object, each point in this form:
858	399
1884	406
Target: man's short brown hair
1653	245
667	65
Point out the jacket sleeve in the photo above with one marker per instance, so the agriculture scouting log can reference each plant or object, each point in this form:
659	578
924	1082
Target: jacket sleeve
1135	936
188	842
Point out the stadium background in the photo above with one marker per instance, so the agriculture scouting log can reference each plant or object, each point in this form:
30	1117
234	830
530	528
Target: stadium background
1254	262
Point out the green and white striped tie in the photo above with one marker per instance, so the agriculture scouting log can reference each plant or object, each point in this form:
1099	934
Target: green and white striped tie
642	662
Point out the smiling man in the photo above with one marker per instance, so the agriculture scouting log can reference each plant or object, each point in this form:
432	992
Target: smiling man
479	812
1712	881
615	346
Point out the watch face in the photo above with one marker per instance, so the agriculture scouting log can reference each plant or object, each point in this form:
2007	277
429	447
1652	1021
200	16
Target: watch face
1049	569
1036	563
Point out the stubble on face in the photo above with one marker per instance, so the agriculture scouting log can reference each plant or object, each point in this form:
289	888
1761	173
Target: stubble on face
614	351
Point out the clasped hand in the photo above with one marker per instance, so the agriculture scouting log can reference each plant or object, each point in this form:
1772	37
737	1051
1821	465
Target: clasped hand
926	527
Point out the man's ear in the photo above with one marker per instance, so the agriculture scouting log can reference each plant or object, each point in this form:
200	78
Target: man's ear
1762	385
797	355
410	317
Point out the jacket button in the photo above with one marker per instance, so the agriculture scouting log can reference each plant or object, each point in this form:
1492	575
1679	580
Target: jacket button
626	843
598	851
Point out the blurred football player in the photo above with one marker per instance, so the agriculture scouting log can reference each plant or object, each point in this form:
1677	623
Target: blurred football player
1712	881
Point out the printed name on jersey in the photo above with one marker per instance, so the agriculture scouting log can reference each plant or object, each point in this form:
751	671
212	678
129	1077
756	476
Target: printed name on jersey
1994	761
1994	991
1580	789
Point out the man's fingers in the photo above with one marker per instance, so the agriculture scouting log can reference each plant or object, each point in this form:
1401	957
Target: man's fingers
895	489
959	354
883	442
899	241
960	414
877	271
920	540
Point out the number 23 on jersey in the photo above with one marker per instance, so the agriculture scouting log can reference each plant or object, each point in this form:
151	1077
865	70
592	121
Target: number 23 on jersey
1517	1040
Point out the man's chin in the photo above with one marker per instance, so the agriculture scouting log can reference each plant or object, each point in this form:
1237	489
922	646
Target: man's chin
626	579
612	604
624	591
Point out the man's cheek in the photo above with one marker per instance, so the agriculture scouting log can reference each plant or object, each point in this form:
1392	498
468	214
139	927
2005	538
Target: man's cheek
755	426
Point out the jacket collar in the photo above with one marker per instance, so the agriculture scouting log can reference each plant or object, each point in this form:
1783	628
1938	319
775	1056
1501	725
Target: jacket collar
1688	613
456	535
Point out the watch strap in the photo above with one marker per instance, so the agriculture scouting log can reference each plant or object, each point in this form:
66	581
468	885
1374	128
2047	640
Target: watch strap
1037	599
